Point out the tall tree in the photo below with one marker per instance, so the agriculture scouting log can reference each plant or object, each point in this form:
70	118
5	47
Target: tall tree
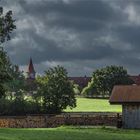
5	68
6	27
56	90
103	80
17	82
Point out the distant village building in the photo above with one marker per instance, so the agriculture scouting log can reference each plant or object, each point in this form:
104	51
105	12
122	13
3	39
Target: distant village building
136	79
81	81
31	71
31	75
129	98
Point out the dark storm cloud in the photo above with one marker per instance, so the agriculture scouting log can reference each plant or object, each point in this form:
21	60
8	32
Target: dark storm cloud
81	15
129	34
49	51
75	8
84	34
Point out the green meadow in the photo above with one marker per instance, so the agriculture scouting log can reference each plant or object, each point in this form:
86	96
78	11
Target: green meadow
94	105
69	133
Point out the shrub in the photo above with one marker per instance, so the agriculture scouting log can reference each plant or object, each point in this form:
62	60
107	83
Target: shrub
5	105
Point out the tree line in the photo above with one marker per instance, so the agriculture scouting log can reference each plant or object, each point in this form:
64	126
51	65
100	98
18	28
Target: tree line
104	79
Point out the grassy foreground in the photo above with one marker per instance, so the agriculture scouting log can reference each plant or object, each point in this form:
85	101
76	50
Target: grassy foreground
69	133
95	105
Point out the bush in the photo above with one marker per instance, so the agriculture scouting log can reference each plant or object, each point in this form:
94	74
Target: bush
18	107
5	105
22	107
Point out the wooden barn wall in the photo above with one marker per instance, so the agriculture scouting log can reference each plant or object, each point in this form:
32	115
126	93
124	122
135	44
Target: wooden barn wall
131	116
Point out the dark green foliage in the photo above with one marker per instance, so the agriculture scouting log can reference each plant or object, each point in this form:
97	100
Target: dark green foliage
5	106
5	68
106	78
18	107
6	25
23	107
56	90
103	80
12	80
17	81
55	93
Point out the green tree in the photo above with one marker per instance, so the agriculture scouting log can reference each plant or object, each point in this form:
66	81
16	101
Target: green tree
6	25
56	90
17	83
5	68
103	80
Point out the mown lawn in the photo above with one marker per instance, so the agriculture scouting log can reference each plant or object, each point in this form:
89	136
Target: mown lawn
97	105
69	133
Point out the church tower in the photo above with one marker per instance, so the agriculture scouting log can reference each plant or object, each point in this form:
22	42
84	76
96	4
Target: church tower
31	72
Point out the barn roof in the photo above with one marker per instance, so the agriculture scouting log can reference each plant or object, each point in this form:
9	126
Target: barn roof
125	94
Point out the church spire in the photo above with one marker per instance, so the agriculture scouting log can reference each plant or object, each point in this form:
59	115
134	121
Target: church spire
31	71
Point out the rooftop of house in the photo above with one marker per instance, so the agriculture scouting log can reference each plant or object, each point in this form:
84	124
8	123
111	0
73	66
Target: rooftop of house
125	94
81	81
136	79
84	78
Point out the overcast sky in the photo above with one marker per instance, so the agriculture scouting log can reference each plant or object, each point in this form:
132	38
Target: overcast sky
81	35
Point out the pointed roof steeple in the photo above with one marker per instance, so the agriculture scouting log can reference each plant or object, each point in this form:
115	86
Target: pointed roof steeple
31	67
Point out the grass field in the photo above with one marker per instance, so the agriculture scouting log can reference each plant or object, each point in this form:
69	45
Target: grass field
97	105
69	133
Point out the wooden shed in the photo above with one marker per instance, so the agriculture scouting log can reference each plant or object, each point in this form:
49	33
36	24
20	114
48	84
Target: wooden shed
129	98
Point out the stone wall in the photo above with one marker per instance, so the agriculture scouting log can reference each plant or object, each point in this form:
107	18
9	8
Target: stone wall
42	121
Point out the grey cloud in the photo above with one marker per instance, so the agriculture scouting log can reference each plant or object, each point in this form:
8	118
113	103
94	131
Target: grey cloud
74	33
79	14
129	33
49	50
